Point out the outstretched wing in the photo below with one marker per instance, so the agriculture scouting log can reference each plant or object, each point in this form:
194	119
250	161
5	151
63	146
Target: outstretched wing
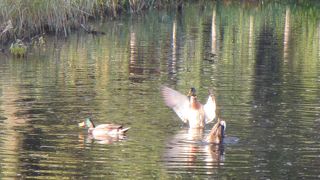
210	108
177	101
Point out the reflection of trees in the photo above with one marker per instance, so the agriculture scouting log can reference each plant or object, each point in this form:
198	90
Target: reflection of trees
99	76
232	73
143	60
268	75
267	96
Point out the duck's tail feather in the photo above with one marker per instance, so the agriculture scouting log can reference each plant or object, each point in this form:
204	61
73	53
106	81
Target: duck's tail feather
124	130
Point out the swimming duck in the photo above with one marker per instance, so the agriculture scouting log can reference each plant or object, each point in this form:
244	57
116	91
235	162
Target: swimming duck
103	129
188	108
216	134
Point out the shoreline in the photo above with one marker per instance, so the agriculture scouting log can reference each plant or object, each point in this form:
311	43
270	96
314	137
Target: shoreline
25	20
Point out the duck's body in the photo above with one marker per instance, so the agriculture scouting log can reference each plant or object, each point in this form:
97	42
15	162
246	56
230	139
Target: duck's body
103	129
196	114
216	134
188	108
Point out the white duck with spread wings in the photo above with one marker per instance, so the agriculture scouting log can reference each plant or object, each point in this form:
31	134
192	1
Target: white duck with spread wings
188	108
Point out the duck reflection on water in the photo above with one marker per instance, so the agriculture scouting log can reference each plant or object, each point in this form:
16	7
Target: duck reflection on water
186	151
88	139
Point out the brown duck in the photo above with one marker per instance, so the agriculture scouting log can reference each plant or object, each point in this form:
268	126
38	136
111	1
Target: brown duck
216	134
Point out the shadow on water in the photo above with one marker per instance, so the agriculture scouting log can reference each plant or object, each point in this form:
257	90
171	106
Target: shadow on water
275	116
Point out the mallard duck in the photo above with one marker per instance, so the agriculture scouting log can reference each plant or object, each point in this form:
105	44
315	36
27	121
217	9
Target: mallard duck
103	129
188	108
216	134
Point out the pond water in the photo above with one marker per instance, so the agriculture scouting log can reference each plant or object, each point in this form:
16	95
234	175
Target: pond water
261	60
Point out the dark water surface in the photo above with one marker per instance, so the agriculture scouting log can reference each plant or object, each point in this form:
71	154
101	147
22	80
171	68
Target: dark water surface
261	60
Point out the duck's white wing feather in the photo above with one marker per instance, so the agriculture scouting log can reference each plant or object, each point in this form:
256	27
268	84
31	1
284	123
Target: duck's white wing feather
108	126
177	101
210	109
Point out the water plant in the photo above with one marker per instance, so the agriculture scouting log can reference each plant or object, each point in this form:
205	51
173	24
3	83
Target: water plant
18	48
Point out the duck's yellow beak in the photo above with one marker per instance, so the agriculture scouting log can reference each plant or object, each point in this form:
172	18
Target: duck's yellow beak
82	124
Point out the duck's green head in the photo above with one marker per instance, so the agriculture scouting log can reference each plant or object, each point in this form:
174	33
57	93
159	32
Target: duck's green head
87	123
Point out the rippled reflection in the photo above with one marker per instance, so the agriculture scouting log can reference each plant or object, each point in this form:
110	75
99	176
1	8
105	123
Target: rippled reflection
260	58
106	139
186	152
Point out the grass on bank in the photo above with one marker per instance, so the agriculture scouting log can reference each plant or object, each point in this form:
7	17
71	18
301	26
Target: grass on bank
23	19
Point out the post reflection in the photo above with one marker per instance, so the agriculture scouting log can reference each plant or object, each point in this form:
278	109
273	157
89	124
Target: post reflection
286	35
213	33
172	62
251	34
319	39
172	65
134	69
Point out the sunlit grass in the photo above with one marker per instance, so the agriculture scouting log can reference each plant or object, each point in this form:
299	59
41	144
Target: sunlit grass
18	48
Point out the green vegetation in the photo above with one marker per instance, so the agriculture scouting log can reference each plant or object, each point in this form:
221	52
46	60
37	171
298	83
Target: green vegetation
23	19
27	20
116	78
18	48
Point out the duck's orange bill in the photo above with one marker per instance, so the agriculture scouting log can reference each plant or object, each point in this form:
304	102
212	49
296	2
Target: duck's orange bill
82	124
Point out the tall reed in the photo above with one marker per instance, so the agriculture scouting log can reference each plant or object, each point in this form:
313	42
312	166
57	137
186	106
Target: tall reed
26	18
